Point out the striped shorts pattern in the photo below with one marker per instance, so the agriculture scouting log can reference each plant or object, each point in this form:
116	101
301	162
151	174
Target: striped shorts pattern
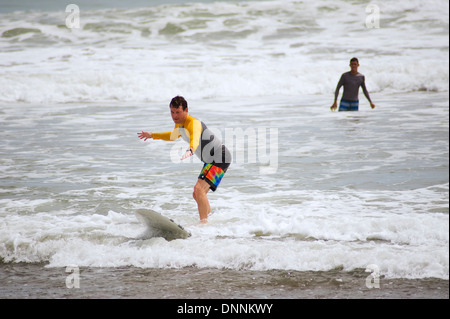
348	106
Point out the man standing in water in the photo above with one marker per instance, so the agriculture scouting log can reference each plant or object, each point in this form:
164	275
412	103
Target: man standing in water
202	142
351	81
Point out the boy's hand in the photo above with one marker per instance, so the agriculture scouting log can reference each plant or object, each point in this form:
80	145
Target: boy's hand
188	154
145	135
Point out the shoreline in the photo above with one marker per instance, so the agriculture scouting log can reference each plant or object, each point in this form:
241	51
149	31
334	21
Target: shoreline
36	281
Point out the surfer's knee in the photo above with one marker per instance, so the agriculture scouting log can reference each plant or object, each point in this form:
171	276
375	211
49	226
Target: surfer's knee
198	192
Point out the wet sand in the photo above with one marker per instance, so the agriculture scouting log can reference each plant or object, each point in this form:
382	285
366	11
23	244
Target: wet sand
35	281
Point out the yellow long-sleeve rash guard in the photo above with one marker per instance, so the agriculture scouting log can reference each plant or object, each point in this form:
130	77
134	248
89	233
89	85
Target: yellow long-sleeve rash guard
207	147
191	131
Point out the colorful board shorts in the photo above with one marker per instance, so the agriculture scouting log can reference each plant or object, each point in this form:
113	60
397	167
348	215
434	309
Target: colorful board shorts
348	106
213	175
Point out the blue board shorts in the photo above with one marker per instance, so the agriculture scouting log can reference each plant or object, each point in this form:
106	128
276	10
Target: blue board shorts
348	106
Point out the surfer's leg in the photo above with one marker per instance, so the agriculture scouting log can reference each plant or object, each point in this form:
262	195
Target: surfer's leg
200	191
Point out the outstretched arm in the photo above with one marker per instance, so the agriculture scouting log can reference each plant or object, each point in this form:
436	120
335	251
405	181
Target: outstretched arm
145	135
168	136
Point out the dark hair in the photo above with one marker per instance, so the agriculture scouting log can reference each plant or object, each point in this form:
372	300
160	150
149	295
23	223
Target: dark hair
354	59
178	101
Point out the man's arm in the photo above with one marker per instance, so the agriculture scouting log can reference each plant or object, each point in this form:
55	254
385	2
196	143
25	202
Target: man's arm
145	135
336	92
194	130
195	134
167	136
366	93
338	88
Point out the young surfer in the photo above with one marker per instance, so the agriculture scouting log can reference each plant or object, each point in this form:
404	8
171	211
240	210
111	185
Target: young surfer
351	81
202	142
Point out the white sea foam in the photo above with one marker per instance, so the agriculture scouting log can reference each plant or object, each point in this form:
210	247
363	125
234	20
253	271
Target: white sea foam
215	50
325	231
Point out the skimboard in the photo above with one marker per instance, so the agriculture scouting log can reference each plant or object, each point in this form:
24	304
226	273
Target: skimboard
161	226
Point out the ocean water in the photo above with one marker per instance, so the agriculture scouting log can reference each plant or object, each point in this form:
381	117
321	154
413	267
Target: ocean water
220	49
311	194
